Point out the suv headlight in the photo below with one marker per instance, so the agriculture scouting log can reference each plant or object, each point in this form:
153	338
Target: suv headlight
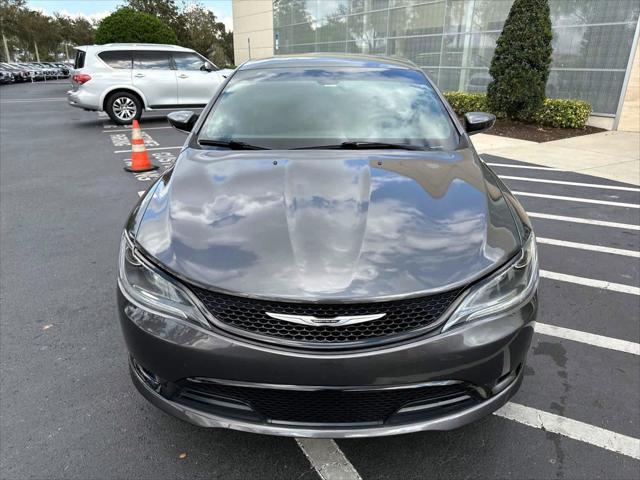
503	291
150	289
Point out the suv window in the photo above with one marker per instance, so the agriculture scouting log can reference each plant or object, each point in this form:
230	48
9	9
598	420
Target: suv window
190	61
151	60
79	61
116	58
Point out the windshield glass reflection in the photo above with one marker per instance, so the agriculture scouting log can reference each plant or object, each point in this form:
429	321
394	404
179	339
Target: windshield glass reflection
294	108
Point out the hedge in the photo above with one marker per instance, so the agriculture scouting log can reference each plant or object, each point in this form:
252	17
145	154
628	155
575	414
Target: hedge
557	113
563	113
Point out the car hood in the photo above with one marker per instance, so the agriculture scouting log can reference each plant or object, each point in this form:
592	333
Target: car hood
327	224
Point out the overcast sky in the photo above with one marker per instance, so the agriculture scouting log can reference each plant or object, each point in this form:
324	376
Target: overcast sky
96	9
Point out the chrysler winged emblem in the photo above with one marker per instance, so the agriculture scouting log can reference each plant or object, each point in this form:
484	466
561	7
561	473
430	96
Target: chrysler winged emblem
333	322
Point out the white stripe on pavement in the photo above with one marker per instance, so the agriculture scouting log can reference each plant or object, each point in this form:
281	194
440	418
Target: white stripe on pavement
141	127
507	165
327	459
583	432
577	199
140	193
34	100
588	338
587	221
590	282
586	246
148	149
574	184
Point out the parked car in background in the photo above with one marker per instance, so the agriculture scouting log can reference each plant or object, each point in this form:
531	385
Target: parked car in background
59	69
36	72
6	76
19	74
328	257
126	79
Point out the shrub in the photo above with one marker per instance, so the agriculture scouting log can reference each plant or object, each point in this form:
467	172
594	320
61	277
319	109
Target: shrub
520	64
556	113
127	25
563	113
462	102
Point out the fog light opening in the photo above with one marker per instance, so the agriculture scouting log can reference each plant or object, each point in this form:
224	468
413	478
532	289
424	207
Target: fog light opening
150	378
505	380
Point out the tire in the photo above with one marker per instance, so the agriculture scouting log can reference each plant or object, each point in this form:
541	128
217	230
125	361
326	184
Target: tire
123	108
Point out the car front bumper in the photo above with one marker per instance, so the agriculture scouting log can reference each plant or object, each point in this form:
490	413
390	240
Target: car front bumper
487	356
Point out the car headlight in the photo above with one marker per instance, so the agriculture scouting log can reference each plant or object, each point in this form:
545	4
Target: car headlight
503	291
150	289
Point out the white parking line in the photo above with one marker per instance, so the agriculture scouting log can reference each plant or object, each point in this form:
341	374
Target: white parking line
574	184
588	338
508	165
129	129
587	221
140	193
577	199
156	148
590	282
583	432
33	100
327	459
586	246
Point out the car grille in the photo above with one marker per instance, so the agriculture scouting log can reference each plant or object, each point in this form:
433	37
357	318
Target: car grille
327	406
402	317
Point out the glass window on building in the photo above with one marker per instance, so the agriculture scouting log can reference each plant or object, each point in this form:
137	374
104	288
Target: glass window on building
453	40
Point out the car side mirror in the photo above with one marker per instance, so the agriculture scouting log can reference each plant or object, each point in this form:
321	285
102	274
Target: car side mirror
206	67
476	122
183	120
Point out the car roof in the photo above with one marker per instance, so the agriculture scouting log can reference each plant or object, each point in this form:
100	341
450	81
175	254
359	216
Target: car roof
134	46
329	60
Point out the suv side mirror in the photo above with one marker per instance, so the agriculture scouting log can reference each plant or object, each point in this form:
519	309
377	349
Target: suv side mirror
476	122
183	120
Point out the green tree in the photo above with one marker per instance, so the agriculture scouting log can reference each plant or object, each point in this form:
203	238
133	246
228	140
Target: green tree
74	31
227	47
520	64
9	14
165	10
37	34
127	25
202	32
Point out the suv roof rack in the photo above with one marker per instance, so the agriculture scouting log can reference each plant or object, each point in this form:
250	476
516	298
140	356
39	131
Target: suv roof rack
138	45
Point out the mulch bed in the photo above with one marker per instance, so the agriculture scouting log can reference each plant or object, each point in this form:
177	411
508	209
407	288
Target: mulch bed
535	133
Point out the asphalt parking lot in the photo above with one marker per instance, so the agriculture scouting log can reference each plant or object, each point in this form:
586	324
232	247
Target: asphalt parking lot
68	408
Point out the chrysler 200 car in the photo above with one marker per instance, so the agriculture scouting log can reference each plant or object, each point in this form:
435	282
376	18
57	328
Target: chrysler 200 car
328	257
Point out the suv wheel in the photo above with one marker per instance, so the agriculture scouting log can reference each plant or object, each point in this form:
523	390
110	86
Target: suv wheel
123	108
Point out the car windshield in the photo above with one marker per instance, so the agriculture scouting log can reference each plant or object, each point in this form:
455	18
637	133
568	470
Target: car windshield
286	108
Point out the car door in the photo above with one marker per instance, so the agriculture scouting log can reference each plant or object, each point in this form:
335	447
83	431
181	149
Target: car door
198	79
153	74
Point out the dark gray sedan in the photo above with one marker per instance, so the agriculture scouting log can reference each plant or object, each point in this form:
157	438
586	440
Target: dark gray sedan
329	257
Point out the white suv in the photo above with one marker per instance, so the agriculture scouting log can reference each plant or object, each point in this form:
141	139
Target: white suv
123	79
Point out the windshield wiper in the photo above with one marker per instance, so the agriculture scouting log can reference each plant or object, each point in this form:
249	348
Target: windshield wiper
232	144
355	145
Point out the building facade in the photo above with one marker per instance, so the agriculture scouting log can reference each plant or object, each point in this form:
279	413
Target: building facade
594	42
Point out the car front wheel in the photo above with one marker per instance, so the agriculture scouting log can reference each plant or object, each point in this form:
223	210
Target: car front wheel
123	108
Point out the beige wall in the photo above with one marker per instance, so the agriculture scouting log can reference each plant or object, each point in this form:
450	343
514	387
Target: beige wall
630	115
252	19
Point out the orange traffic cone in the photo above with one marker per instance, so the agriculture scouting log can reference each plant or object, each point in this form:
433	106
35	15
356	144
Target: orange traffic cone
139	160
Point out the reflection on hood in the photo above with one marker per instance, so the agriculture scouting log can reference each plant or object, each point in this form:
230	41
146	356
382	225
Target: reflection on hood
328	224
